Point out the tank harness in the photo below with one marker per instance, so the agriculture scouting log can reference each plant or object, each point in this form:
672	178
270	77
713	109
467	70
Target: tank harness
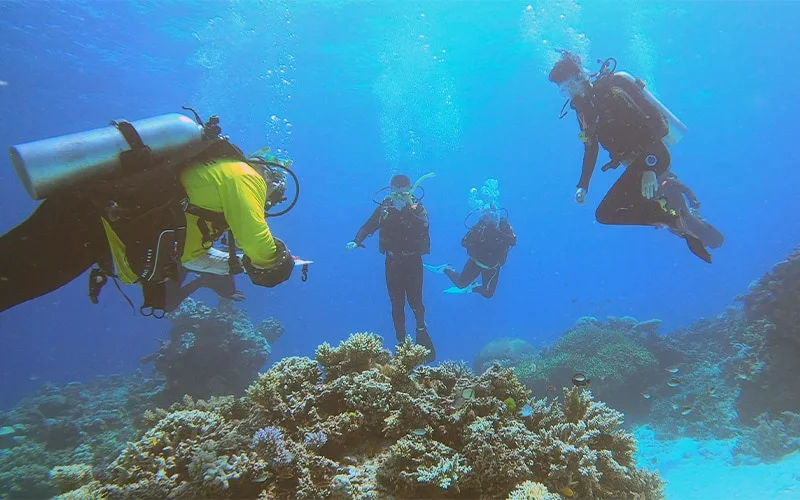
146	196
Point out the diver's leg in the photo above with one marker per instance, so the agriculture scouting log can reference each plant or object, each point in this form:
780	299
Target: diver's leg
414	283
56	244
413	275
624	204
708	234
467	276
395	283
489	278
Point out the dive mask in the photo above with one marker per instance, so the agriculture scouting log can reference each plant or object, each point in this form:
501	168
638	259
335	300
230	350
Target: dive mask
572	87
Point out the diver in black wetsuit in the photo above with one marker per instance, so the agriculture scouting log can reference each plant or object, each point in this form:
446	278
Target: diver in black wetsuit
487	244
404	239
671	193
614	113
69	224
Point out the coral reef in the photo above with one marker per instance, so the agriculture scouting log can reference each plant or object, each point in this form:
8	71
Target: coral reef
621	356
773	299
358	422
771	440
532	491
59	437
203	337
505	351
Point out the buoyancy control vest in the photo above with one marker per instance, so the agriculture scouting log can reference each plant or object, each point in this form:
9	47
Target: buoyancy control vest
626	121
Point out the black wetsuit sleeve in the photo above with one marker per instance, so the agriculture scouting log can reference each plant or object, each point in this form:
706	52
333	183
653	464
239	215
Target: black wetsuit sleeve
591	150
470	238
369	227
508	232
420	214
686	190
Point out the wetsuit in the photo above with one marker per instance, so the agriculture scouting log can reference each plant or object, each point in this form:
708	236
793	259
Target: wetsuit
487	246
614	114
404	238
65	236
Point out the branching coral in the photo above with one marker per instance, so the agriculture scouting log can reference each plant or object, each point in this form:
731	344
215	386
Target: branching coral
532	491
361	351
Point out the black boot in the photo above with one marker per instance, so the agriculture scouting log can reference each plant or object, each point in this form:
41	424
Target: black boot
424	339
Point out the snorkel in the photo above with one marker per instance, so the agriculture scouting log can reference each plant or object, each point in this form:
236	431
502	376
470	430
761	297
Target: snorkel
406	194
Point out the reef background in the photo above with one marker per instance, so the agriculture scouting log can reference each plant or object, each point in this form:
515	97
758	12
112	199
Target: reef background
356	91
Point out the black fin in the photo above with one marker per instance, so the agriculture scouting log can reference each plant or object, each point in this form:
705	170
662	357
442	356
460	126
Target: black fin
697	248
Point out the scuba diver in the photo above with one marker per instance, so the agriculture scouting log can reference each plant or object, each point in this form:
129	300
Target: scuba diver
487	244
615	111
671	193
143	202
404	238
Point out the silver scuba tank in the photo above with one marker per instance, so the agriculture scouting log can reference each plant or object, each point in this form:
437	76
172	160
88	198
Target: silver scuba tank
50	166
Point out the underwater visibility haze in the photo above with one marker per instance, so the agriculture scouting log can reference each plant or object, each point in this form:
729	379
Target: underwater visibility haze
592	360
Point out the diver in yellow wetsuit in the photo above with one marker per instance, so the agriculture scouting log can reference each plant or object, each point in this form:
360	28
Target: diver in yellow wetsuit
152	236
238	192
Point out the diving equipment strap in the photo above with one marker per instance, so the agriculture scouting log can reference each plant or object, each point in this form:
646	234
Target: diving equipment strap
220	225
139	154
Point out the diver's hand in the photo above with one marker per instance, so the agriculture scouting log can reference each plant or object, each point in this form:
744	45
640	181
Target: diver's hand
694	204
351	245
649	184
580	196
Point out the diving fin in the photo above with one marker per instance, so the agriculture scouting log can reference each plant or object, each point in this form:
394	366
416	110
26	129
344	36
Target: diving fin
436	269
454	290
697	248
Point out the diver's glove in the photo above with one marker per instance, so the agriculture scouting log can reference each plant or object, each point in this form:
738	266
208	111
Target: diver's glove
352	245
580	196
649	184
275	274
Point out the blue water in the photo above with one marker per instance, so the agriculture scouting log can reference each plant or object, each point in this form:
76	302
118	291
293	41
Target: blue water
365	98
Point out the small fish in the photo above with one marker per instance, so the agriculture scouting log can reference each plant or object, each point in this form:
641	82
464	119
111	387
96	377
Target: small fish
742	376
261	478
646	395
712	391
419	432
673	370
580	380
673	382
686	410
566	491
551	388
526	411
3	83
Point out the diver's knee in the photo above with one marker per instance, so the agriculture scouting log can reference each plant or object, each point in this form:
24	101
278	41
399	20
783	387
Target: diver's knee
603	215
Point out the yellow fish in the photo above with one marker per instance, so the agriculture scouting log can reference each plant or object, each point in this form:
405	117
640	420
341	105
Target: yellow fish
566	491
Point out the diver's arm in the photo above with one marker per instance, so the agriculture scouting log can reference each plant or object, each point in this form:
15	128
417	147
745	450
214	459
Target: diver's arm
243	198
369	227
420	214
591	150
508	232
470	237
686	191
